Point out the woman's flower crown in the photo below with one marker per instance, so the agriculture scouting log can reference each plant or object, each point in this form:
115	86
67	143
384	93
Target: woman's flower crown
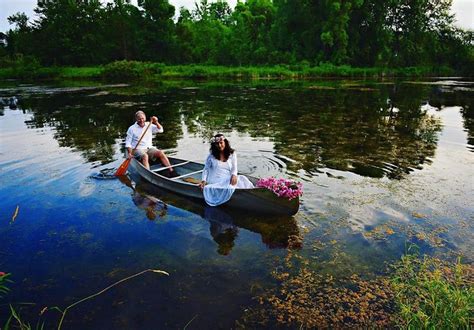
217	139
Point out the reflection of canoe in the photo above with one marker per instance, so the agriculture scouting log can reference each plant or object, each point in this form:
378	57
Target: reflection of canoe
188	173
225	222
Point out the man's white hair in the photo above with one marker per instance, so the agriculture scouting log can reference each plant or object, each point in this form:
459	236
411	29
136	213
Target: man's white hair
139	112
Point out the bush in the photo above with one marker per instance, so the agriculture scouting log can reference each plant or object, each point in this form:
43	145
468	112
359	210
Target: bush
131	70
25	67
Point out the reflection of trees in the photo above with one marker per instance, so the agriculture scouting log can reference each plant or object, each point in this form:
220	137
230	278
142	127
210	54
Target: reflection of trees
92	125
344	129
340	128
459	97
468	115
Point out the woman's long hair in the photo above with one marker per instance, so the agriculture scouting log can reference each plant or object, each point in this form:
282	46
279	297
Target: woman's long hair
215	149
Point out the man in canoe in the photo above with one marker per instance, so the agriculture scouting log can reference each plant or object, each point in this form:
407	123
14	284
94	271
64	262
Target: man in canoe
145	150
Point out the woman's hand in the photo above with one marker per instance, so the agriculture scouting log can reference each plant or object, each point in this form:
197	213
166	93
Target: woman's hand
202	184
154	120
233	179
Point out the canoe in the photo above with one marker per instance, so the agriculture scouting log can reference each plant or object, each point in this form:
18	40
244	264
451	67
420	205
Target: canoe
186	183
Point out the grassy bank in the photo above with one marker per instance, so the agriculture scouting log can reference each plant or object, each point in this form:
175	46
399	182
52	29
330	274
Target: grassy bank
126	71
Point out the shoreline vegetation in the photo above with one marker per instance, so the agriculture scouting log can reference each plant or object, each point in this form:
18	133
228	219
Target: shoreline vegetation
135	70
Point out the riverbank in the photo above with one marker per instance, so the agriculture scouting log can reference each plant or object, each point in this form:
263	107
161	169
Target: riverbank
131	70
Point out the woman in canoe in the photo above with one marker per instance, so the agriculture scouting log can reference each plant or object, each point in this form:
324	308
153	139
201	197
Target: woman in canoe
219	178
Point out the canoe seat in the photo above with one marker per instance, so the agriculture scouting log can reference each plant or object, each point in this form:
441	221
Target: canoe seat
165	168
185	175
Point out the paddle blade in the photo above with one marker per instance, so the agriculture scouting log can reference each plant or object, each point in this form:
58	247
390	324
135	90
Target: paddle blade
122	170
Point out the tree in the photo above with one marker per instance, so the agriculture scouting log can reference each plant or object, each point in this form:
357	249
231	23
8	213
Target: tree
68	32
251	31
158	30
19	39
122	30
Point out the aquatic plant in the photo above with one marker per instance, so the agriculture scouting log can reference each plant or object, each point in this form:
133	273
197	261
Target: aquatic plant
306	298
15	316
3	283
433	294
282	187
420	292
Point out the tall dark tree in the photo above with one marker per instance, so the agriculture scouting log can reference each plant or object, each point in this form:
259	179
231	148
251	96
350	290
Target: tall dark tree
19	40
251	31
122	21
158	30
69	32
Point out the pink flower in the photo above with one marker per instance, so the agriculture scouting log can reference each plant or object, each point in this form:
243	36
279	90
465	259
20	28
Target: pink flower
282	187
2	273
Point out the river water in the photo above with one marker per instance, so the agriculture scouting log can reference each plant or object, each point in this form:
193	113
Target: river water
384	165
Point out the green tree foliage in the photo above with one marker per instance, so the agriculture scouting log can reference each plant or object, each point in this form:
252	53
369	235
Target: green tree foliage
369	35
121	32
356	32
252	24
158	30
20	39
203	35
66	32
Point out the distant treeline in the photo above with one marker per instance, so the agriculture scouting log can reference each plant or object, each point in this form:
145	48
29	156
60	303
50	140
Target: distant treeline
358	33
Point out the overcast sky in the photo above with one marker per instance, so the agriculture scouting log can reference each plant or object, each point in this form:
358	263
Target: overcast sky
463	9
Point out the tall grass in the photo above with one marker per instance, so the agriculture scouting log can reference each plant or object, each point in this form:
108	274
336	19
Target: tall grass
433	294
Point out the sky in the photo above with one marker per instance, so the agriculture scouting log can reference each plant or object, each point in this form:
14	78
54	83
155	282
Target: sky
463	9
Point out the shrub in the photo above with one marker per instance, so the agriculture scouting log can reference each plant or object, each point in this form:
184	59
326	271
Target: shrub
123	70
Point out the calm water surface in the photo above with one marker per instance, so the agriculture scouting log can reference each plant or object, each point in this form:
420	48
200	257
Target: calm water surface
383	165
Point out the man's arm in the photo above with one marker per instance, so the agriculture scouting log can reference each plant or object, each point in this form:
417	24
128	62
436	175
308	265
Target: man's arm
128	142
158	127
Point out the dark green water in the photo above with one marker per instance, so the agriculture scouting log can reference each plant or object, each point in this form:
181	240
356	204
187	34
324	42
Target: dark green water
383	165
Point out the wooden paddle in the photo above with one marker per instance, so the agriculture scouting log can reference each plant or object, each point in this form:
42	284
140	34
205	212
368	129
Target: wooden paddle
123	168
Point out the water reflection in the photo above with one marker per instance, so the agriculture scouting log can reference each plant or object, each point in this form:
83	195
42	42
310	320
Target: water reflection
10	102
224	223
57	246
378	131
222	229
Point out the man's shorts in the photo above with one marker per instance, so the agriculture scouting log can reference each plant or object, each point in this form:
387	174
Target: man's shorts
138	154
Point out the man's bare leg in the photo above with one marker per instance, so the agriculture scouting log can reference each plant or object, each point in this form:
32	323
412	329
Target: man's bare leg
164	160
145	161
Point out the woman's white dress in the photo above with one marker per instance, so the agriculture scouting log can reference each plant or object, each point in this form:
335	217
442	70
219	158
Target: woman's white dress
217	174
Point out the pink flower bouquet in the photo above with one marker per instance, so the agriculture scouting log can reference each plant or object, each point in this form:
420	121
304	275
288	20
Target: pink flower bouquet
282	187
